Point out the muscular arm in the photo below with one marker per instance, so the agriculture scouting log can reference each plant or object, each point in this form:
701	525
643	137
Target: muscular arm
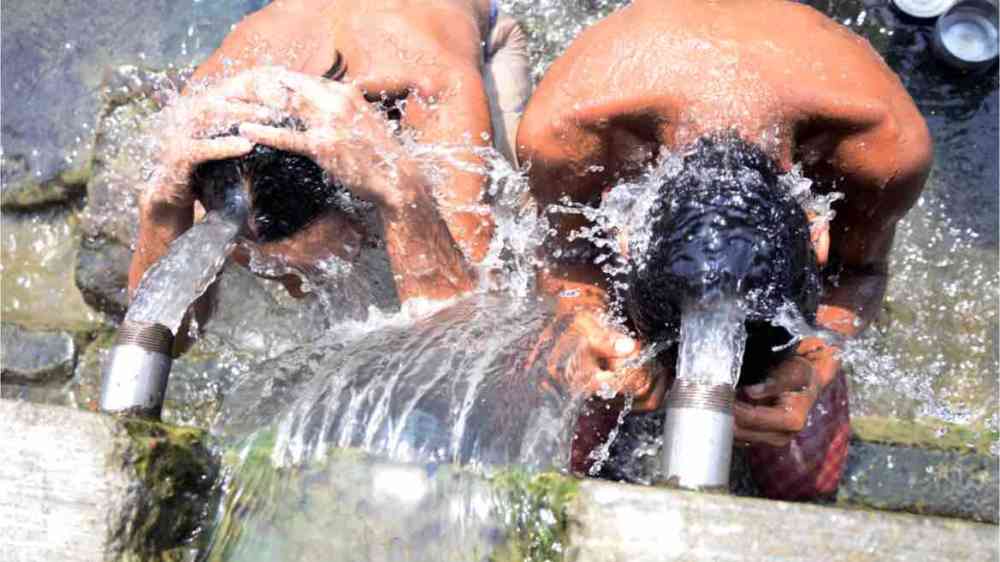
431	56
162	219
881	168
426	259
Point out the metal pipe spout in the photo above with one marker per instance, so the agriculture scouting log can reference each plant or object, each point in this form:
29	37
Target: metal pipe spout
136	371
698	435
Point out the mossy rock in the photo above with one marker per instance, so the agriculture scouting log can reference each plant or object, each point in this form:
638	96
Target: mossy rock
924	433
178	472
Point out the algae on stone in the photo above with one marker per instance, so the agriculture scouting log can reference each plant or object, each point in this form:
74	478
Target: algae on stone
924	433
178	472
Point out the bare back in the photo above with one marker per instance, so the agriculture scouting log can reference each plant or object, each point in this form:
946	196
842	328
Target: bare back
783	76
428	52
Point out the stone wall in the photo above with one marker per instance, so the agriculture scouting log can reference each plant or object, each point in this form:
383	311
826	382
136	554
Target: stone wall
85	487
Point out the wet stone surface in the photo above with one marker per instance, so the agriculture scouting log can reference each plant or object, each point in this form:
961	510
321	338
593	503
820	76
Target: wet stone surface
102	276
198	380
921	481
892	465
932	351
54	53
37	258
130	96
28	357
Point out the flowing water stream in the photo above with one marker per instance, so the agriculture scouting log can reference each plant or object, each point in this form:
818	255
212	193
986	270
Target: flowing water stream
711	344
175	281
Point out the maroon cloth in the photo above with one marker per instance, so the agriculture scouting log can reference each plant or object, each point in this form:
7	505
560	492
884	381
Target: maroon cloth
808	468
811	465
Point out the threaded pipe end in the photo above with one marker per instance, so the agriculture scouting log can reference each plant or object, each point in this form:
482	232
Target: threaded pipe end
686	394
155	338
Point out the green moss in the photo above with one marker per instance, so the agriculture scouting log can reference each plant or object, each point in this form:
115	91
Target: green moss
534	507
178	472
923	433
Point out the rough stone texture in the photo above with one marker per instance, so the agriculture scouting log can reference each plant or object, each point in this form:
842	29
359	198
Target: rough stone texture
78	486
921	481
82	487
37	258
35	357
616	522
53	56
131	96
102	275
351	502
898	465
925	434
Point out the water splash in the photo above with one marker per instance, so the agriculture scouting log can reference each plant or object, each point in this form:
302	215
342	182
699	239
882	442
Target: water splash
169	287
711	344
416	392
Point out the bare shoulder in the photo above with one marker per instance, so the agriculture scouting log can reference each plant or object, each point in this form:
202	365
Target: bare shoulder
841	82
568	100
282	33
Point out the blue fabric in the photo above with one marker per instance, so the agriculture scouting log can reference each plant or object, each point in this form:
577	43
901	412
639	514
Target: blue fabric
494	13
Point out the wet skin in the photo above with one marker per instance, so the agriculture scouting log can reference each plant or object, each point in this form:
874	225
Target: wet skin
270	68
661	74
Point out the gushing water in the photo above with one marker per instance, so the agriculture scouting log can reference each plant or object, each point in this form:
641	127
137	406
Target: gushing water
170	286
431	390
428	391
711	344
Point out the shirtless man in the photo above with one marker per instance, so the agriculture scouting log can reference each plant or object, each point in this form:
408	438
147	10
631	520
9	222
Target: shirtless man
664	74
452	63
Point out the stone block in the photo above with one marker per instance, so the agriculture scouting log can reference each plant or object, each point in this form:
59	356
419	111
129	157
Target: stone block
81	487
37	257
28	357
102	275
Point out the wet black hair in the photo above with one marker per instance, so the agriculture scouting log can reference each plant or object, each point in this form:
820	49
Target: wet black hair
286	191
725	228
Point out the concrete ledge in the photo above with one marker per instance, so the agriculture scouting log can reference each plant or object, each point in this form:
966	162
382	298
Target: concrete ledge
618	522
76	486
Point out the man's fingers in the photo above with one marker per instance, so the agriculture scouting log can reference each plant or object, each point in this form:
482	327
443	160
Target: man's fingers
744	437
276	137
788	416
606	342
291	92
792	375
219	113
261	86
218	149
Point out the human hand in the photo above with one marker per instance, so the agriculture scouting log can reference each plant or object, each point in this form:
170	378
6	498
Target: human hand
776	410
589	357
338	130
188	134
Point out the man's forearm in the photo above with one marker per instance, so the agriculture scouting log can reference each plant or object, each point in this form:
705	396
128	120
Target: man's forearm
159	224
459	122
847	309
425	259
850	306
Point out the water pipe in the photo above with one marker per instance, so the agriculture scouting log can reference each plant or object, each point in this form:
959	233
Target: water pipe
698	435
137	370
